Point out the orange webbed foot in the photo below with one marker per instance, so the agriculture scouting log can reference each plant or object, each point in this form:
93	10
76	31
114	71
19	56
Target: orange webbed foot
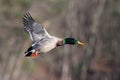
35	54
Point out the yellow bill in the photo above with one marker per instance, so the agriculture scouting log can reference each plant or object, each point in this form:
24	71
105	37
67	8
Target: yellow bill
80	43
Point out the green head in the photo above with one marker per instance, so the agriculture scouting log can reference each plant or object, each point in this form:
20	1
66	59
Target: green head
72	41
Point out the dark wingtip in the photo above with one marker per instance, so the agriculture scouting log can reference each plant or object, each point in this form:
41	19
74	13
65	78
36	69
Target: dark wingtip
27	21
27	17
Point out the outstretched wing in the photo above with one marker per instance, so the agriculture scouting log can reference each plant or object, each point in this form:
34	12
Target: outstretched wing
35	30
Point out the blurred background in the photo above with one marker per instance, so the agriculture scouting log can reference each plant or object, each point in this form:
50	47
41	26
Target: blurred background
94	22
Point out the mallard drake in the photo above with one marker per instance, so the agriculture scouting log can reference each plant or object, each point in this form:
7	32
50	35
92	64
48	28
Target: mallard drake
42	41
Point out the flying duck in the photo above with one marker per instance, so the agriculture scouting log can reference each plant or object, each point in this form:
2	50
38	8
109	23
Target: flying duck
42	41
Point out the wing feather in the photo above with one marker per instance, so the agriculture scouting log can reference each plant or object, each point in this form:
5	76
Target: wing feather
35	30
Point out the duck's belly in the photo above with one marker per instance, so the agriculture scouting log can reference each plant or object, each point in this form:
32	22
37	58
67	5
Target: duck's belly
48	46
